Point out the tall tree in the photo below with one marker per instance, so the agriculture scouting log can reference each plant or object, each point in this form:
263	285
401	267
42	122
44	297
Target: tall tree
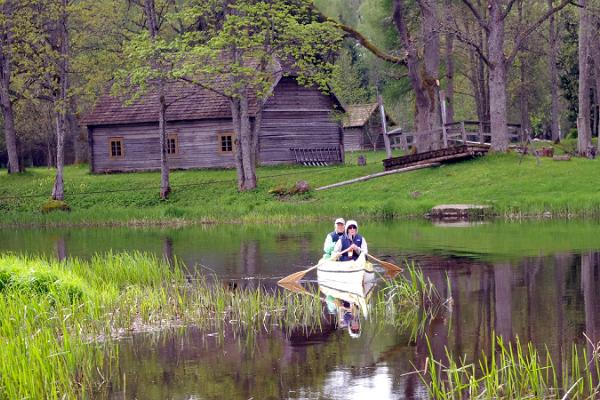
152	21
147	69
449	59
499	59
237	56
584	134
9	12
552	62
423	74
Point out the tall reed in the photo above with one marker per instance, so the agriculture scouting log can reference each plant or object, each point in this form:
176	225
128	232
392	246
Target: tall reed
513	371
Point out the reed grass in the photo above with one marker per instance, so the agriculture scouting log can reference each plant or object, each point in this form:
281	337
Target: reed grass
514	370
409	301
59	318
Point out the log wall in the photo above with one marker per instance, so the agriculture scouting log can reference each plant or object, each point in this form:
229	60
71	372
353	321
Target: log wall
296	117
197	140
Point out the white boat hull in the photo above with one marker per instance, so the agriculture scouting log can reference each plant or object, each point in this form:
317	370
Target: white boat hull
347	276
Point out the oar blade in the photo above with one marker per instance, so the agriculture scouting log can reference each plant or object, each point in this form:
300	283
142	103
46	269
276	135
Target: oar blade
385	264
390	267
293	278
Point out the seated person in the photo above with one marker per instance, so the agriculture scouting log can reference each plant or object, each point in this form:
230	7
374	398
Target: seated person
351	244
333	237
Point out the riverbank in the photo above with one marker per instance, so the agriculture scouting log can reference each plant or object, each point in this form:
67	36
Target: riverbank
513	186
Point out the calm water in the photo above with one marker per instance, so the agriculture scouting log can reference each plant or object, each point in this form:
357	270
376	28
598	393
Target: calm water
538	281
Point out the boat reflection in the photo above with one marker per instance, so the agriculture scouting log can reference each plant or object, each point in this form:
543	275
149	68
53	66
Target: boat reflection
347	302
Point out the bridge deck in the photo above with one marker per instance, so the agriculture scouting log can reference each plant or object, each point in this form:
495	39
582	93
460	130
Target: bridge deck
449	154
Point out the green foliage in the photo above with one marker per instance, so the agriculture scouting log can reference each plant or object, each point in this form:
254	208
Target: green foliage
54	205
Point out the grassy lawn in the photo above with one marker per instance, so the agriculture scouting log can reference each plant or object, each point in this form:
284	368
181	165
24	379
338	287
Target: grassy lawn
515	186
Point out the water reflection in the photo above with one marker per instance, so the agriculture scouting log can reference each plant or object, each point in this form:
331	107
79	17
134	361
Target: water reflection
537	281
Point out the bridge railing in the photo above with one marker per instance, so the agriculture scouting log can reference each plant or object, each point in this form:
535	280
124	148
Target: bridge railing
453	134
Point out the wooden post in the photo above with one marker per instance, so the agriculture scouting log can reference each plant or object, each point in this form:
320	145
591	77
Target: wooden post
442	95
463	132
481	138
90	138
386	139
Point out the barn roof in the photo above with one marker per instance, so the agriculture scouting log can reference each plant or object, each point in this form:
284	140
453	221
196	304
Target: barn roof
357	115
185	102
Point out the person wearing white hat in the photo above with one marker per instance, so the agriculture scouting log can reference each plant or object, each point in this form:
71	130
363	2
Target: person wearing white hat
333	237
351	244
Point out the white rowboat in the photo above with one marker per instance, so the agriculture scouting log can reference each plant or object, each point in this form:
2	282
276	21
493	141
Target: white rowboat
347	276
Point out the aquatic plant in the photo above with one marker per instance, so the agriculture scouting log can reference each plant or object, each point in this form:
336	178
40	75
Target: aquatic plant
59	318
514	370
408	301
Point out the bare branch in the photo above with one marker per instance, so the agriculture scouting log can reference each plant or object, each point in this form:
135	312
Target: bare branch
508	9
478	17
524	35
466	39
360	38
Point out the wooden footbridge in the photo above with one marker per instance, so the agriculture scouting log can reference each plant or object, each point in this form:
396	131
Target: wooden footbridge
452	142
455	141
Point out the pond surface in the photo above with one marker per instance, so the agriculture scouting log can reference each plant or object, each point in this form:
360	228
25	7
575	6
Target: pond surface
539	281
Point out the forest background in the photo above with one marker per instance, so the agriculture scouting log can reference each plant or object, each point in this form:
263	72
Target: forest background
57	57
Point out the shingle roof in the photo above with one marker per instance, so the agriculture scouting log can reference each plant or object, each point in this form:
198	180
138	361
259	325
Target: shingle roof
358	114
186	102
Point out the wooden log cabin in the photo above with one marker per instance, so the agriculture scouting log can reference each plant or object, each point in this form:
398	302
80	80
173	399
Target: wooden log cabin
200	133
362	127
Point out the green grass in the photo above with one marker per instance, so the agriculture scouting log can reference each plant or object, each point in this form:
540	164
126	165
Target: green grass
515	188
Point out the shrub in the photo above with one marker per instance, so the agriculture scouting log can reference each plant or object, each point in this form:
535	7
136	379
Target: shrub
54	205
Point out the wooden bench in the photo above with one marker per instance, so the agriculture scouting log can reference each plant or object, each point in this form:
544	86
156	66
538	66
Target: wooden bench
317	156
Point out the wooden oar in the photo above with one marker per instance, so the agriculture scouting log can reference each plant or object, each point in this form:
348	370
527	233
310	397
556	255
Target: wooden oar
296	276
385	264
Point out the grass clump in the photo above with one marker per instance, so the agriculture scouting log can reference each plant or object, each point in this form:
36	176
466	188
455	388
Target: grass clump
514	371
54	205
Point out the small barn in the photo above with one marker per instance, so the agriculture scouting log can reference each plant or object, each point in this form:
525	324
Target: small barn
362	127
200	131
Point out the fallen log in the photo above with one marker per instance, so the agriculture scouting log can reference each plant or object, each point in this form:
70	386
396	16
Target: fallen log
377	175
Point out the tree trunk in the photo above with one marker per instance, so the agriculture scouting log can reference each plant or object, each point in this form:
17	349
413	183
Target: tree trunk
165	188
497	78
552	59
58	192
246	140
449	67
523	89
431	52
422	99
237	148
10	134
584	138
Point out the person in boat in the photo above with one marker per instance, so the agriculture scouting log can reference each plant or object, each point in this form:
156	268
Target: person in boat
332	237
351	244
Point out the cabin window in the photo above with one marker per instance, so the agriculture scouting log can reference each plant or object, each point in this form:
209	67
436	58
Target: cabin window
116	149
225	143
172	144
